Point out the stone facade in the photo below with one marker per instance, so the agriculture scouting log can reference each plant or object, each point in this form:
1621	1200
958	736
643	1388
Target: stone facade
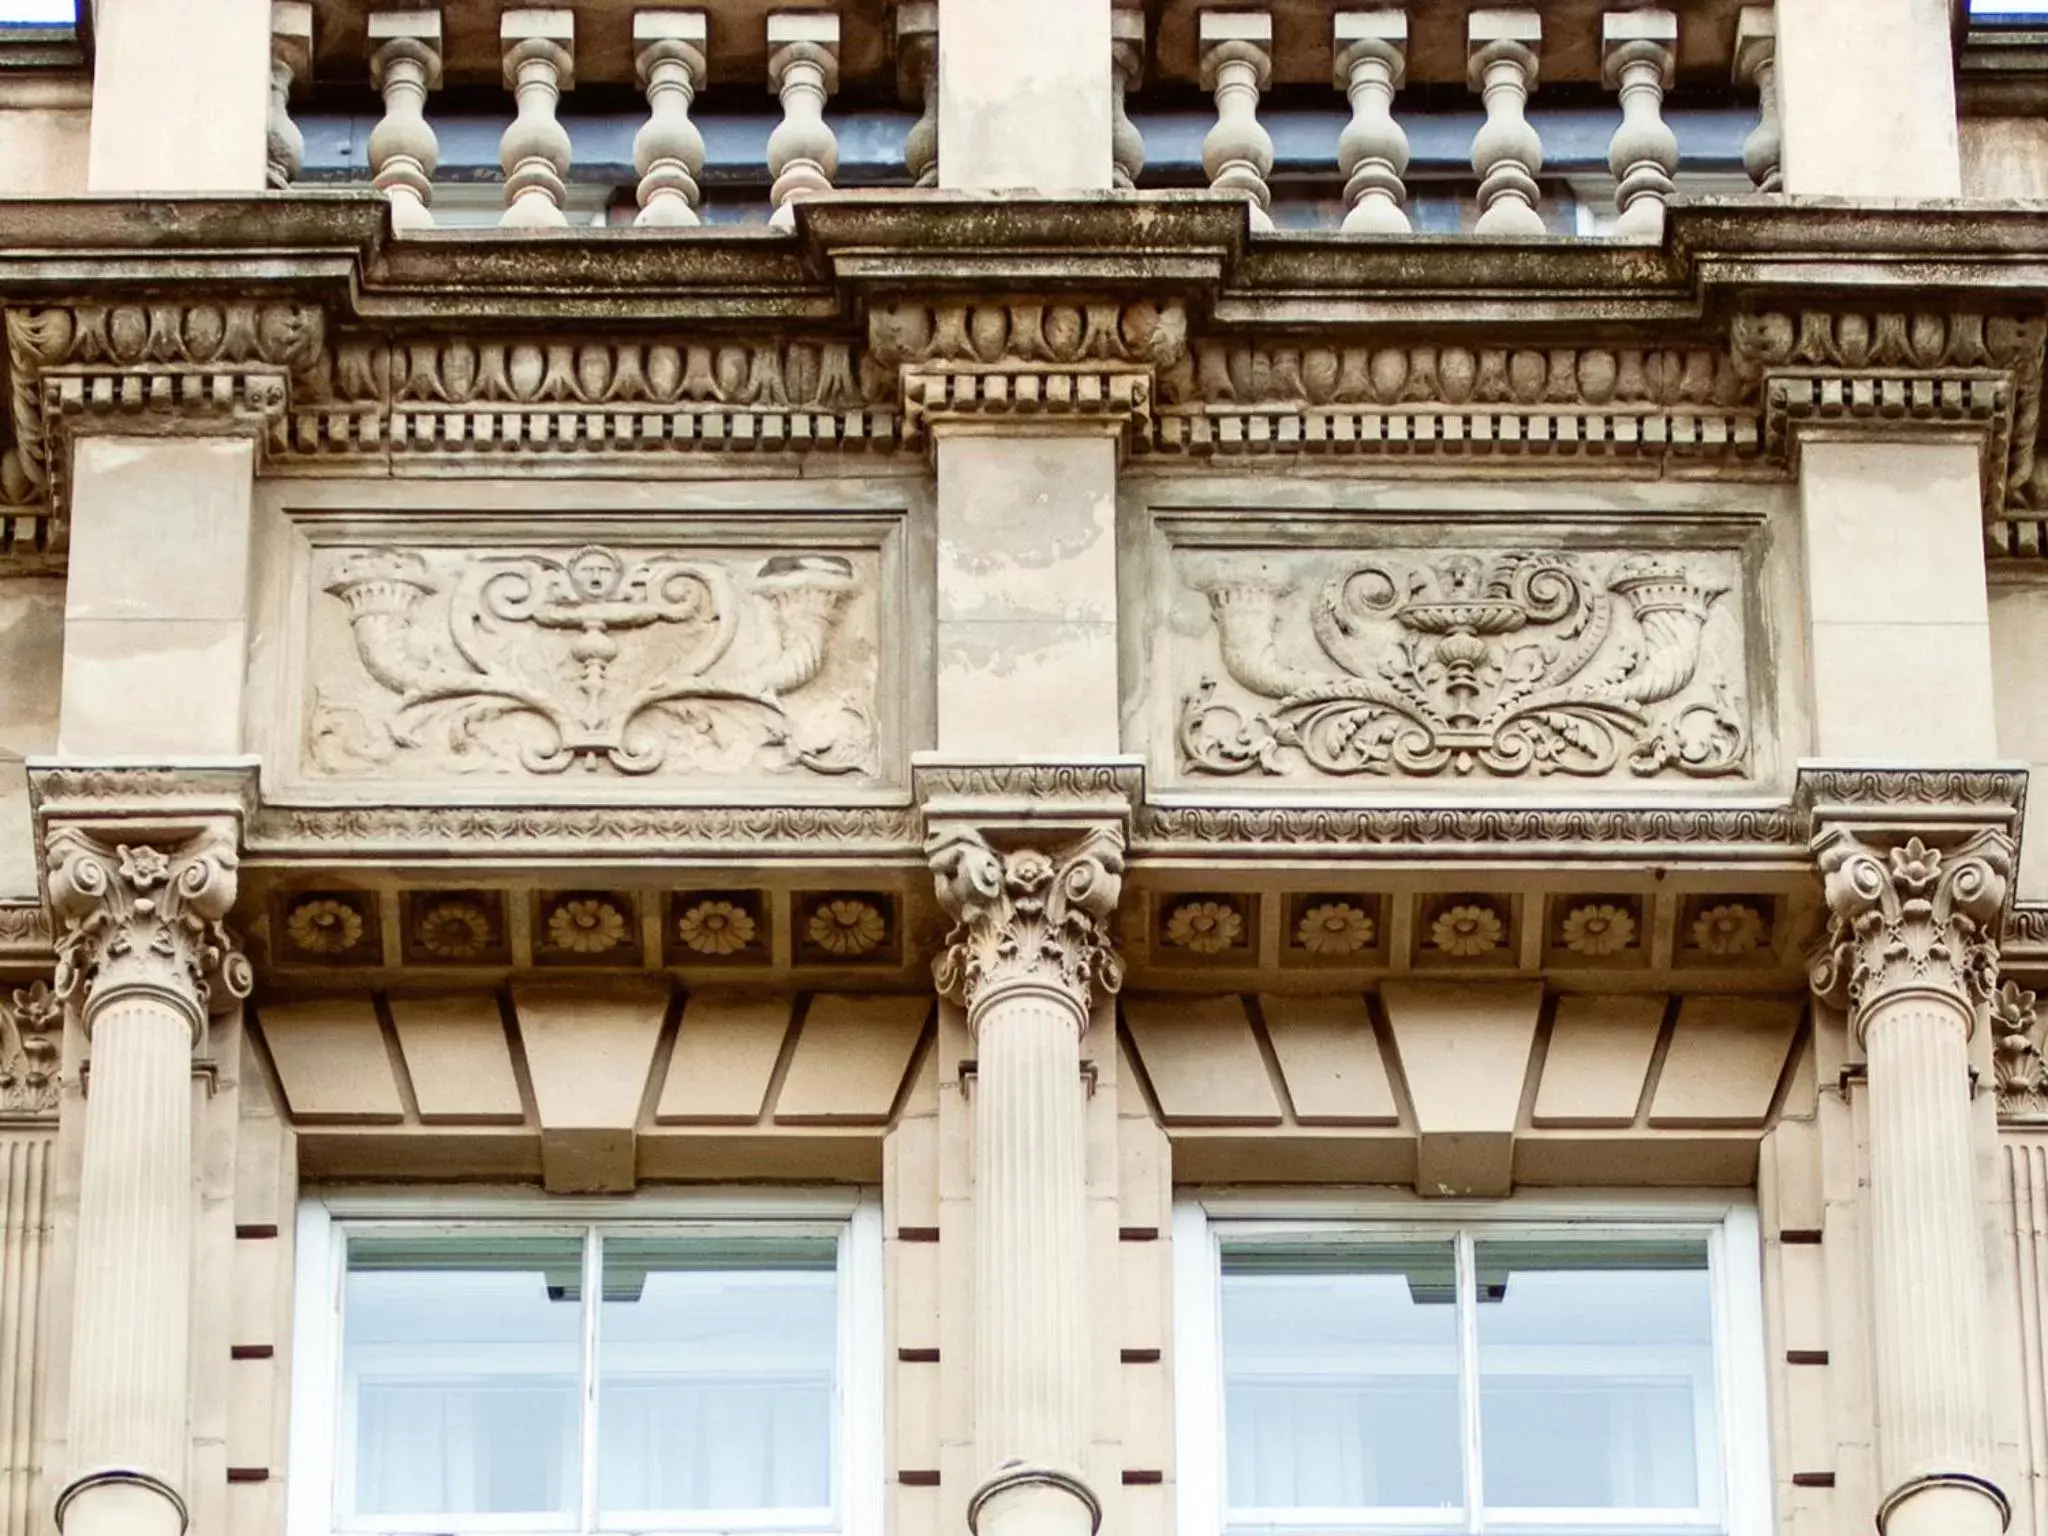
1025	694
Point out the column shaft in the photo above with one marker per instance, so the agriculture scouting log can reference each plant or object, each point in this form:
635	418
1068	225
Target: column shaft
1932	1335
133	1303
1031	1388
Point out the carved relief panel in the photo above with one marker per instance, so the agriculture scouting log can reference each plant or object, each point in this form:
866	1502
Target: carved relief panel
1459	654
581	659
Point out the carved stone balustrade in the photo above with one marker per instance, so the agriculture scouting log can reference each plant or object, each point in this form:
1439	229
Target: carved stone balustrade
1507	153
803	70
403	150
1639	47
1372	152
917	82
1756	66
1127	74
668	152
540	63
291	62
1237	64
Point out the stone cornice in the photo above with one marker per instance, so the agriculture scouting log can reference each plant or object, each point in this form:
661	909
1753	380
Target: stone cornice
302	321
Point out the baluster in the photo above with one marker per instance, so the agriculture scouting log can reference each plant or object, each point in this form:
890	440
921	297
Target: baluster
1756	65
403	150
803	69
1507	154
668	151
1126	74
1237	63
291	61
1372	151
917	83
540	64
1639	55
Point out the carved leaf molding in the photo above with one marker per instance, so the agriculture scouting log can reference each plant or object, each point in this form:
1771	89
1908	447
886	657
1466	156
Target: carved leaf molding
1505	663
635	663
31	1033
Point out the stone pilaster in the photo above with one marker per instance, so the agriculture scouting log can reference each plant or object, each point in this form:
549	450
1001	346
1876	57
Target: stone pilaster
143	954
1911	955
1029	958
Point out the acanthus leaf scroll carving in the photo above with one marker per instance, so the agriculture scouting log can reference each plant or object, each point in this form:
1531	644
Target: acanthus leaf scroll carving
639	663
1508	663
1027	916
147	917
1911	917
31	1032
2017	1063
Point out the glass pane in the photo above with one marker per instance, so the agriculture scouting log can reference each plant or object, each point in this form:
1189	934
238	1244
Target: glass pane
1596	1373
716	1363
1340	1371
462	1359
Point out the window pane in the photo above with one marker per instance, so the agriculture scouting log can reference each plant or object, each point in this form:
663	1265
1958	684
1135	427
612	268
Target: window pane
1596	1373
1340	1368
716	1362
462	1359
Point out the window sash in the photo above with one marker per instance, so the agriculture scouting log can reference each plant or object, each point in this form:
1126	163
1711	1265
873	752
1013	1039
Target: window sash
735	1228
1732	1469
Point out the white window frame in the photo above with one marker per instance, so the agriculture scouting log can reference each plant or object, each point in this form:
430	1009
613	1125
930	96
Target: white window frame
1202	1222
317	1402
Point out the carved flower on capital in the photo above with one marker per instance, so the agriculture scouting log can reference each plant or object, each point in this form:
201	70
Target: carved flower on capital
716	928
1335	928
455	930
1204	927
1916	867
847	927
1599	929
324	926
1030	873
1467	931
144	867
586	925
1728	929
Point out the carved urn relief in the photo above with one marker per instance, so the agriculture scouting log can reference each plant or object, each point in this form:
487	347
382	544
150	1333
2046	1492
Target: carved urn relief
1462	663
625	662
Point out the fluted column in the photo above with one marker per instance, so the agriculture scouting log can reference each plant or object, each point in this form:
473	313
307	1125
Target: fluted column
1507	152
142	954
1237	64
540	64
1372	151
803	70
1912	956
1639	60
1028	957
291	61
403	150
1756	65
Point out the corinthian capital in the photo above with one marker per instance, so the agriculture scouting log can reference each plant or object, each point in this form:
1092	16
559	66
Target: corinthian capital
146	917
1911	917
1027	916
